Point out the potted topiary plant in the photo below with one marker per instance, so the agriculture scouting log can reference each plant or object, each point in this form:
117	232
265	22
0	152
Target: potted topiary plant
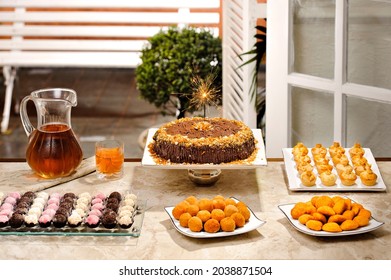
171	60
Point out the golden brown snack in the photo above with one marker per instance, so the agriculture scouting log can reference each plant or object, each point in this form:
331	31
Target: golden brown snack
335	148
245	212
230	209
212	226
328	178
349	225
368	177
217	214
341	167
204	215
324	168
240	204
239	219
179	209
308	178
192	199
359	160
321	161
195	224
218	204
193	209
227	224
310	209
335	198
356	150
304	167
298	210
348	178
326	210
230	201
184	219
365	213
205	204
318	149
337	218
324	200
356	207
331	227
361	220
358	169
348	214
339	206
299	149
314	199
348	203
319	217
314	225
303	219
219	196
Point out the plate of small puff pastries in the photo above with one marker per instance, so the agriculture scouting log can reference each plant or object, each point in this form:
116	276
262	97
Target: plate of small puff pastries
201	224
332	168
330	216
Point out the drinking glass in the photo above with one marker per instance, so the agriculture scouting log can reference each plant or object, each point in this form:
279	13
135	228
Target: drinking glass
109	158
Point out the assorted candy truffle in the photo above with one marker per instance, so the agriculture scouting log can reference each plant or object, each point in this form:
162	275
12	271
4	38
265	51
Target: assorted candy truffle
43	210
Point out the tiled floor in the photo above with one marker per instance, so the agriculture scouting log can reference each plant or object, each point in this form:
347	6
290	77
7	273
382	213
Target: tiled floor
109	106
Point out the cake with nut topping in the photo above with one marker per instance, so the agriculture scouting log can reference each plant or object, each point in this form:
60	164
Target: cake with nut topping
200	140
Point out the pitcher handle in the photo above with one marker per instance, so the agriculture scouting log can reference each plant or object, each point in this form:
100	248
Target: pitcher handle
28	127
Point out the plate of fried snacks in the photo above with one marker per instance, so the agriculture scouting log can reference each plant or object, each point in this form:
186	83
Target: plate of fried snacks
330	216
332	168
212	217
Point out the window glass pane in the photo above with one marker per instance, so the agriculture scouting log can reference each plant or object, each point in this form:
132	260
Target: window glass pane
369	43
313	37
312	117
368	122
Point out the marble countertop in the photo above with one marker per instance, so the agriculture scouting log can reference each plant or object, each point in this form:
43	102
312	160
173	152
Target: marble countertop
262	188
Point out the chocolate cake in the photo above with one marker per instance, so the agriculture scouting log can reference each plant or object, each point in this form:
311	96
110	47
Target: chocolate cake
203	141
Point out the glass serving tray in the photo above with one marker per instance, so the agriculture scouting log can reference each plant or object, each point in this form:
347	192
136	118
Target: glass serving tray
83	230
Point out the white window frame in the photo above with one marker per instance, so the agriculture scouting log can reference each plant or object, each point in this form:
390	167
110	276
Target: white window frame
280	78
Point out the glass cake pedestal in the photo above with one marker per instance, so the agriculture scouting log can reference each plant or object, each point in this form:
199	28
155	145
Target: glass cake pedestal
207	174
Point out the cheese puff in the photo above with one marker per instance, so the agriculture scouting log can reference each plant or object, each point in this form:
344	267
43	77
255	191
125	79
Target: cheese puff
193	209
227	224
298	210
348	214
361	220
230	209
212	226
218	204
217	214
204	215
304	167
303	219
324	200
331	227
356	207
339	219
308	178
321	168
179	209
349	225
314	199
192	199
339	206
245	212
365	213
326	210
205	204
184	219
195	224
239	219
318	149
319	217
314	225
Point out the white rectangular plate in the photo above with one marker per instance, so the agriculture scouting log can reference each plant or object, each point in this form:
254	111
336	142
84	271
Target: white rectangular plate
296	185
252	224
286	209
260	159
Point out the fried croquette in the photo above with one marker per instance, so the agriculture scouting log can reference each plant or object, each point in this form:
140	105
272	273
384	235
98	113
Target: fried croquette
319	217
331	227
298	210
348	204
348	214
239	219
314	225
227	224
324	200
219	197
193	209
230	209
179	209
303	219
195	224
240	203
204	215
310	209
349	225
192	199
245	212
356	207
184	219
217	214
339	206
205	204
230	201
361	220
365	213
326	210
339	219
314	199
218	204
212	226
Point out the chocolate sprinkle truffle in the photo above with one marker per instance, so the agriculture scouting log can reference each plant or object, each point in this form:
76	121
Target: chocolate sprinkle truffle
59	220
16	220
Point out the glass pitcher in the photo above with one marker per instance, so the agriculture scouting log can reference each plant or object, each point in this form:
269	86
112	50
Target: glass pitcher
53	150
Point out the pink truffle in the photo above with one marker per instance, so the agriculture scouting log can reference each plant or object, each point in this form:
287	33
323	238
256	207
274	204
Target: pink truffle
92	220
6	212
3	219
49	212
95	212
52	206
6	205
54	200
96	200
102	196
45	219
98	206
10	200
15	195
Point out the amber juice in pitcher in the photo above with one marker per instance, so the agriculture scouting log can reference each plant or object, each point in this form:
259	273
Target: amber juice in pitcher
53	151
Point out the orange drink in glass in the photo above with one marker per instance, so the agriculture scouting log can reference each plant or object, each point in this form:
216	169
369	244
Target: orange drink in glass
109	158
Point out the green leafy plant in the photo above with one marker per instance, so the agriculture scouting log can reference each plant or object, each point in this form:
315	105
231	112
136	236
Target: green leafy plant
170	61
